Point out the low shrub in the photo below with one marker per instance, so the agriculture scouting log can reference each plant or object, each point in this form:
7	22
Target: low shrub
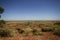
20	31
56	31
6	32
57	23
55	27
36	32
27	31
47	29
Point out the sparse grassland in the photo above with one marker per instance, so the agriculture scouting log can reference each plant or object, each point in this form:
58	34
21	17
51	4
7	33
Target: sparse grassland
31	30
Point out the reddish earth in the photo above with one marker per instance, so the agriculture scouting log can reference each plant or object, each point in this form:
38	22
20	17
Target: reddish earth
45	36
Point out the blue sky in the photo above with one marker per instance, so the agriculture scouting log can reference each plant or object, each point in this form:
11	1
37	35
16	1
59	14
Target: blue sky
31	9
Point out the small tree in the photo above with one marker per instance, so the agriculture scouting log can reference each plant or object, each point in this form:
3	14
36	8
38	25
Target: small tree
1	21
1	11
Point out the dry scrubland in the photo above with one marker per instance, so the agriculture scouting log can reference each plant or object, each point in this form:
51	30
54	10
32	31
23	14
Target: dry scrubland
32	30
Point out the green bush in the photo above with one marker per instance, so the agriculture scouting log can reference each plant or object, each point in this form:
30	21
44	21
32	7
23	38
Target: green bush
20	31
56	31
27	31
55	27
47	29
36	32
57	23
6	32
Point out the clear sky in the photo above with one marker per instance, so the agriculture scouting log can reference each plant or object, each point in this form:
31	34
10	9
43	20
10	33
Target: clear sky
31	9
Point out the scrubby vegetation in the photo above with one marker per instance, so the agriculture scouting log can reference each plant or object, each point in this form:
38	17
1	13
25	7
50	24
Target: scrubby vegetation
20	31
36	32
29	31
6	32
31	28
57	31
25	31
57	23
47	29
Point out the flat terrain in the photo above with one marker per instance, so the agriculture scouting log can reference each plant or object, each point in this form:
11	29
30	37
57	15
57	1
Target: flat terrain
45	36
32	25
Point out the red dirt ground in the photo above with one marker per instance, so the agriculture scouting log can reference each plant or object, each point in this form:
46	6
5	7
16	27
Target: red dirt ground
45	36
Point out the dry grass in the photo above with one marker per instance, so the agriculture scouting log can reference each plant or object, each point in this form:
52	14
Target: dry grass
46	36
32	25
